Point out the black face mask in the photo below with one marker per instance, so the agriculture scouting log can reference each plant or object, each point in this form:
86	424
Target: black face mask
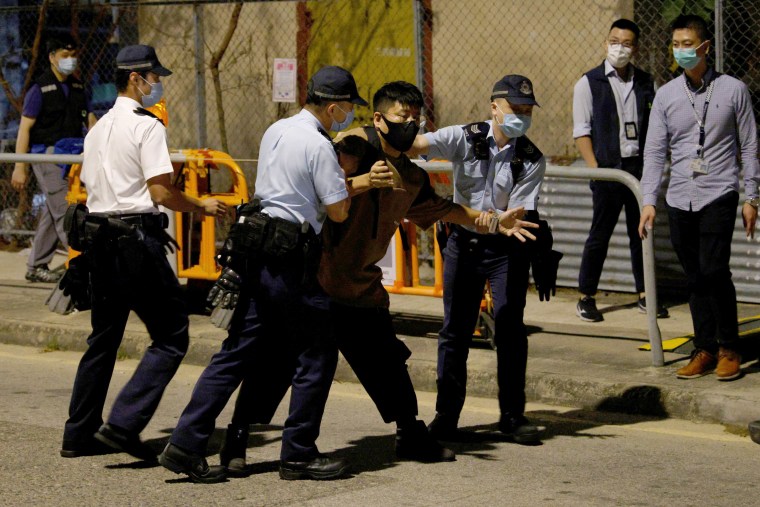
400	135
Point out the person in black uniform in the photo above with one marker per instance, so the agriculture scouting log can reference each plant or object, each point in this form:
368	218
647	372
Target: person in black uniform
270	256
55	108
127	172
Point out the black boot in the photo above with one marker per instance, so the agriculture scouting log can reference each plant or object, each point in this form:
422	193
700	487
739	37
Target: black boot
180	461
232	455
415	443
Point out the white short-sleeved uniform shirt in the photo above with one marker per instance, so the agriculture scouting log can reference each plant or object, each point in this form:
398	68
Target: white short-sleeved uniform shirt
121	153
484	185
298	172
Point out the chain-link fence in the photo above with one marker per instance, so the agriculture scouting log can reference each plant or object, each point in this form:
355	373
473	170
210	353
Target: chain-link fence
223	56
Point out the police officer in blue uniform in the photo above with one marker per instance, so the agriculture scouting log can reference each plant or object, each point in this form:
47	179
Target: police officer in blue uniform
55	108
127	172
271	255
495	166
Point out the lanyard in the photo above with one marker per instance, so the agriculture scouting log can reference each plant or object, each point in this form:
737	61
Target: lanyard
701	123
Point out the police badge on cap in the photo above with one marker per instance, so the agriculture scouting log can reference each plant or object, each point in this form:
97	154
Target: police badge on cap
515	89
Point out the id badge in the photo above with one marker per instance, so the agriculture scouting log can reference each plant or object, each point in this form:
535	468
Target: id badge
631	132
699	166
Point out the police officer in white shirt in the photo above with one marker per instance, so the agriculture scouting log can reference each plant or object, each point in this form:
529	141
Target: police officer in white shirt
272	253
127	172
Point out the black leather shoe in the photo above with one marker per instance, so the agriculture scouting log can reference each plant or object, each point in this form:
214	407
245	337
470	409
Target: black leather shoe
444	428
196	467
416	443
91	447
125	441
754	431
520	429
232	455
321	468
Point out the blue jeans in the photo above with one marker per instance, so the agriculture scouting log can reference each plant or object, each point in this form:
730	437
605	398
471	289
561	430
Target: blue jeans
469	260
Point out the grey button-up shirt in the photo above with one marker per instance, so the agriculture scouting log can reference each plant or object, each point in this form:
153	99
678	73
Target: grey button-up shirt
730	131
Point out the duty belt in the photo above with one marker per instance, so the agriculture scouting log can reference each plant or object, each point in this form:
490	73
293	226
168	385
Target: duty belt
146	220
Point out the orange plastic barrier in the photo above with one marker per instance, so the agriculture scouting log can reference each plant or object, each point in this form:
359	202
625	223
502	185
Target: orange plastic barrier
196	175
407	264
195	172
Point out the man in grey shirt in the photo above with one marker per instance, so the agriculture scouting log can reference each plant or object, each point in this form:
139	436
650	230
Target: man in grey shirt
706	121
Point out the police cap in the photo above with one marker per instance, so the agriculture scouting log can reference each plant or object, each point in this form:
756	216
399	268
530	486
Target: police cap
336	83
515	89
60	41
140	58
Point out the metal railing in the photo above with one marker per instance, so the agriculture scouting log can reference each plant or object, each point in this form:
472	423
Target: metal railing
650	281
580	173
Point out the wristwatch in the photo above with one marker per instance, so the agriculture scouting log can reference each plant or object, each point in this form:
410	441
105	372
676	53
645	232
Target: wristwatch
754	202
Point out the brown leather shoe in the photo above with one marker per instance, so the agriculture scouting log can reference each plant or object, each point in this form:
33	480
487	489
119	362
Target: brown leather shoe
702	363
729	365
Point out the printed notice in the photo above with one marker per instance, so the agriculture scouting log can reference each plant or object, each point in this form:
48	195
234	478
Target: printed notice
284	80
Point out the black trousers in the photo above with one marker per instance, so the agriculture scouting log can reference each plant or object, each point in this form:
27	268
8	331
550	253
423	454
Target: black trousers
367	340
702	241
123	281
609	198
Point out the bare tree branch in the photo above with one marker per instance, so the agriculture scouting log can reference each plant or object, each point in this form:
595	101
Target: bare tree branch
35	47
216	59
74	5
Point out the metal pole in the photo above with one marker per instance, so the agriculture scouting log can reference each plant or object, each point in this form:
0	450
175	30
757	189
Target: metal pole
719	59
418	46
650	281
200	76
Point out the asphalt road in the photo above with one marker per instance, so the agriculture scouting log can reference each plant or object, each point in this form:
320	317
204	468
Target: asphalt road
587	458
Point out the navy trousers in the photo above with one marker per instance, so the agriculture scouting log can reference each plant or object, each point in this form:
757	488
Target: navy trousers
275	315
702	241
367	340
122	282
609	198
469	260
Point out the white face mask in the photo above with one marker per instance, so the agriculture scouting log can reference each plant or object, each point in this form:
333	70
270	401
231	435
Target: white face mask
618	55
67	66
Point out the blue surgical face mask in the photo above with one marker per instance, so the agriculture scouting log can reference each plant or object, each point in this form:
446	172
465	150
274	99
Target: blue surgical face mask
337	127
67	66
156	92
514	125
687	57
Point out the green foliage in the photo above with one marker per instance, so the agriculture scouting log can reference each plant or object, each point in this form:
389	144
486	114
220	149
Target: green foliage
122	354
52	346
671	9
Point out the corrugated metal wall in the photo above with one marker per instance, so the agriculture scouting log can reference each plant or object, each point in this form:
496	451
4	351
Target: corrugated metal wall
566	204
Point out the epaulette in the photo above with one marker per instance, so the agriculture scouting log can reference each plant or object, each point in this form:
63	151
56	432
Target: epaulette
144	112
477	135
526	150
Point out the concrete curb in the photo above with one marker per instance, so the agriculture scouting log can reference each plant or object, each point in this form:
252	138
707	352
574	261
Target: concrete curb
657	399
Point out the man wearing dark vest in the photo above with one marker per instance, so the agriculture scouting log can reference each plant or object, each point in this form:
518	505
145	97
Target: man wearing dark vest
611	106
55	108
